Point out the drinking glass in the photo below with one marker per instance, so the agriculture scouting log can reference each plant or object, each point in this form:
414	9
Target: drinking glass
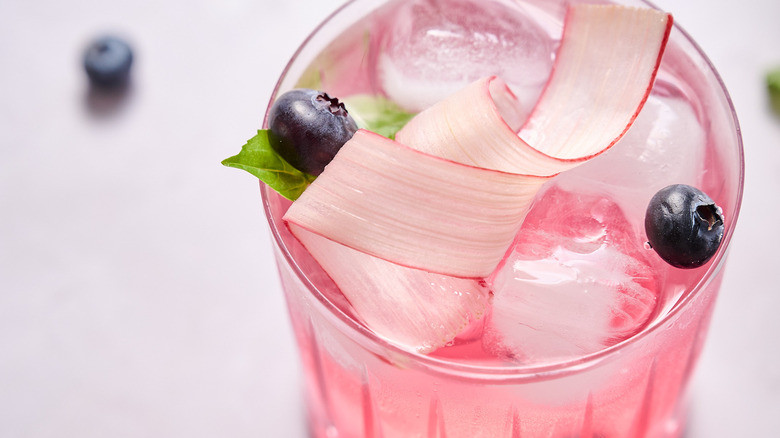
359	385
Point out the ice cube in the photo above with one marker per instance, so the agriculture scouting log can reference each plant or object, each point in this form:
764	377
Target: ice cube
664	146
433	48
577	281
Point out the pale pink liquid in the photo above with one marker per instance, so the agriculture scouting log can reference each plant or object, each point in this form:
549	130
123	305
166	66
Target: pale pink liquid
360	386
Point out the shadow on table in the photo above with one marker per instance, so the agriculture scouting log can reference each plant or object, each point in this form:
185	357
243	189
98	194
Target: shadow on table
102	102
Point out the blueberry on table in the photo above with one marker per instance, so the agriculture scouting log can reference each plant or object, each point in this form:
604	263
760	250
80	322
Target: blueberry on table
107	61
684	226
307	128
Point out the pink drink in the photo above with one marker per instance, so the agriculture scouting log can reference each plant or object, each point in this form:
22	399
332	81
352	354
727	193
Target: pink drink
547	361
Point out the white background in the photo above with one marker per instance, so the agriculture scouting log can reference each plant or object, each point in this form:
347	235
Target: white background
138	297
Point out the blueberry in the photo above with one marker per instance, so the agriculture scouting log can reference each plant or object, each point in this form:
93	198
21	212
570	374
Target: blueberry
684	226
107	61
307	128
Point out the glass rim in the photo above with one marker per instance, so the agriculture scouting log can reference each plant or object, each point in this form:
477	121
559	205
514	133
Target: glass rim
513	372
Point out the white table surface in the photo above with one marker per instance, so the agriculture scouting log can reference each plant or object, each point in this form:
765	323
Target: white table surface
138	297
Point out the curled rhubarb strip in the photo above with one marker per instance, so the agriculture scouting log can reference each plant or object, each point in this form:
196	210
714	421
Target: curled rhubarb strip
450	194
478	126
424	211
415	209
416	310
604	71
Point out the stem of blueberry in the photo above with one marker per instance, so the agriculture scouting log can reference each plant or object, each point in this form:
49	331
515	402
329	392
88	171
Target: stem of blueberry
709	213
334	105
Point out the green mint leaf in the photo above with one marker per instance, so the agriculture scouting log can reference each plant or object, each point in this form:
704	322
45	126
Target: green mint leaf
773	86
261	160
377	114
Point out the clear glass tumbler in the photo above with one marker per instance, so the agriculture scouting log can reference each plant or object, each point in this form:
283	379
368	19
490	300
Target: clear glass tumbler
358	385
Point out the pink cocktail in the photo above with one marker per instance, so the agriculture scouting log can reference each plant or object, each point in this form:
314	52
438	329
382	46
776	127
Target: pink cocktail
589	333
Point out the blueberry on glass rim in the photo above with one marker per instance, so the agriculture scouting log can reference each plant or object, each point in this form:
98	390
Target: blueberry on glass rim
107	61
684	226
307	127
